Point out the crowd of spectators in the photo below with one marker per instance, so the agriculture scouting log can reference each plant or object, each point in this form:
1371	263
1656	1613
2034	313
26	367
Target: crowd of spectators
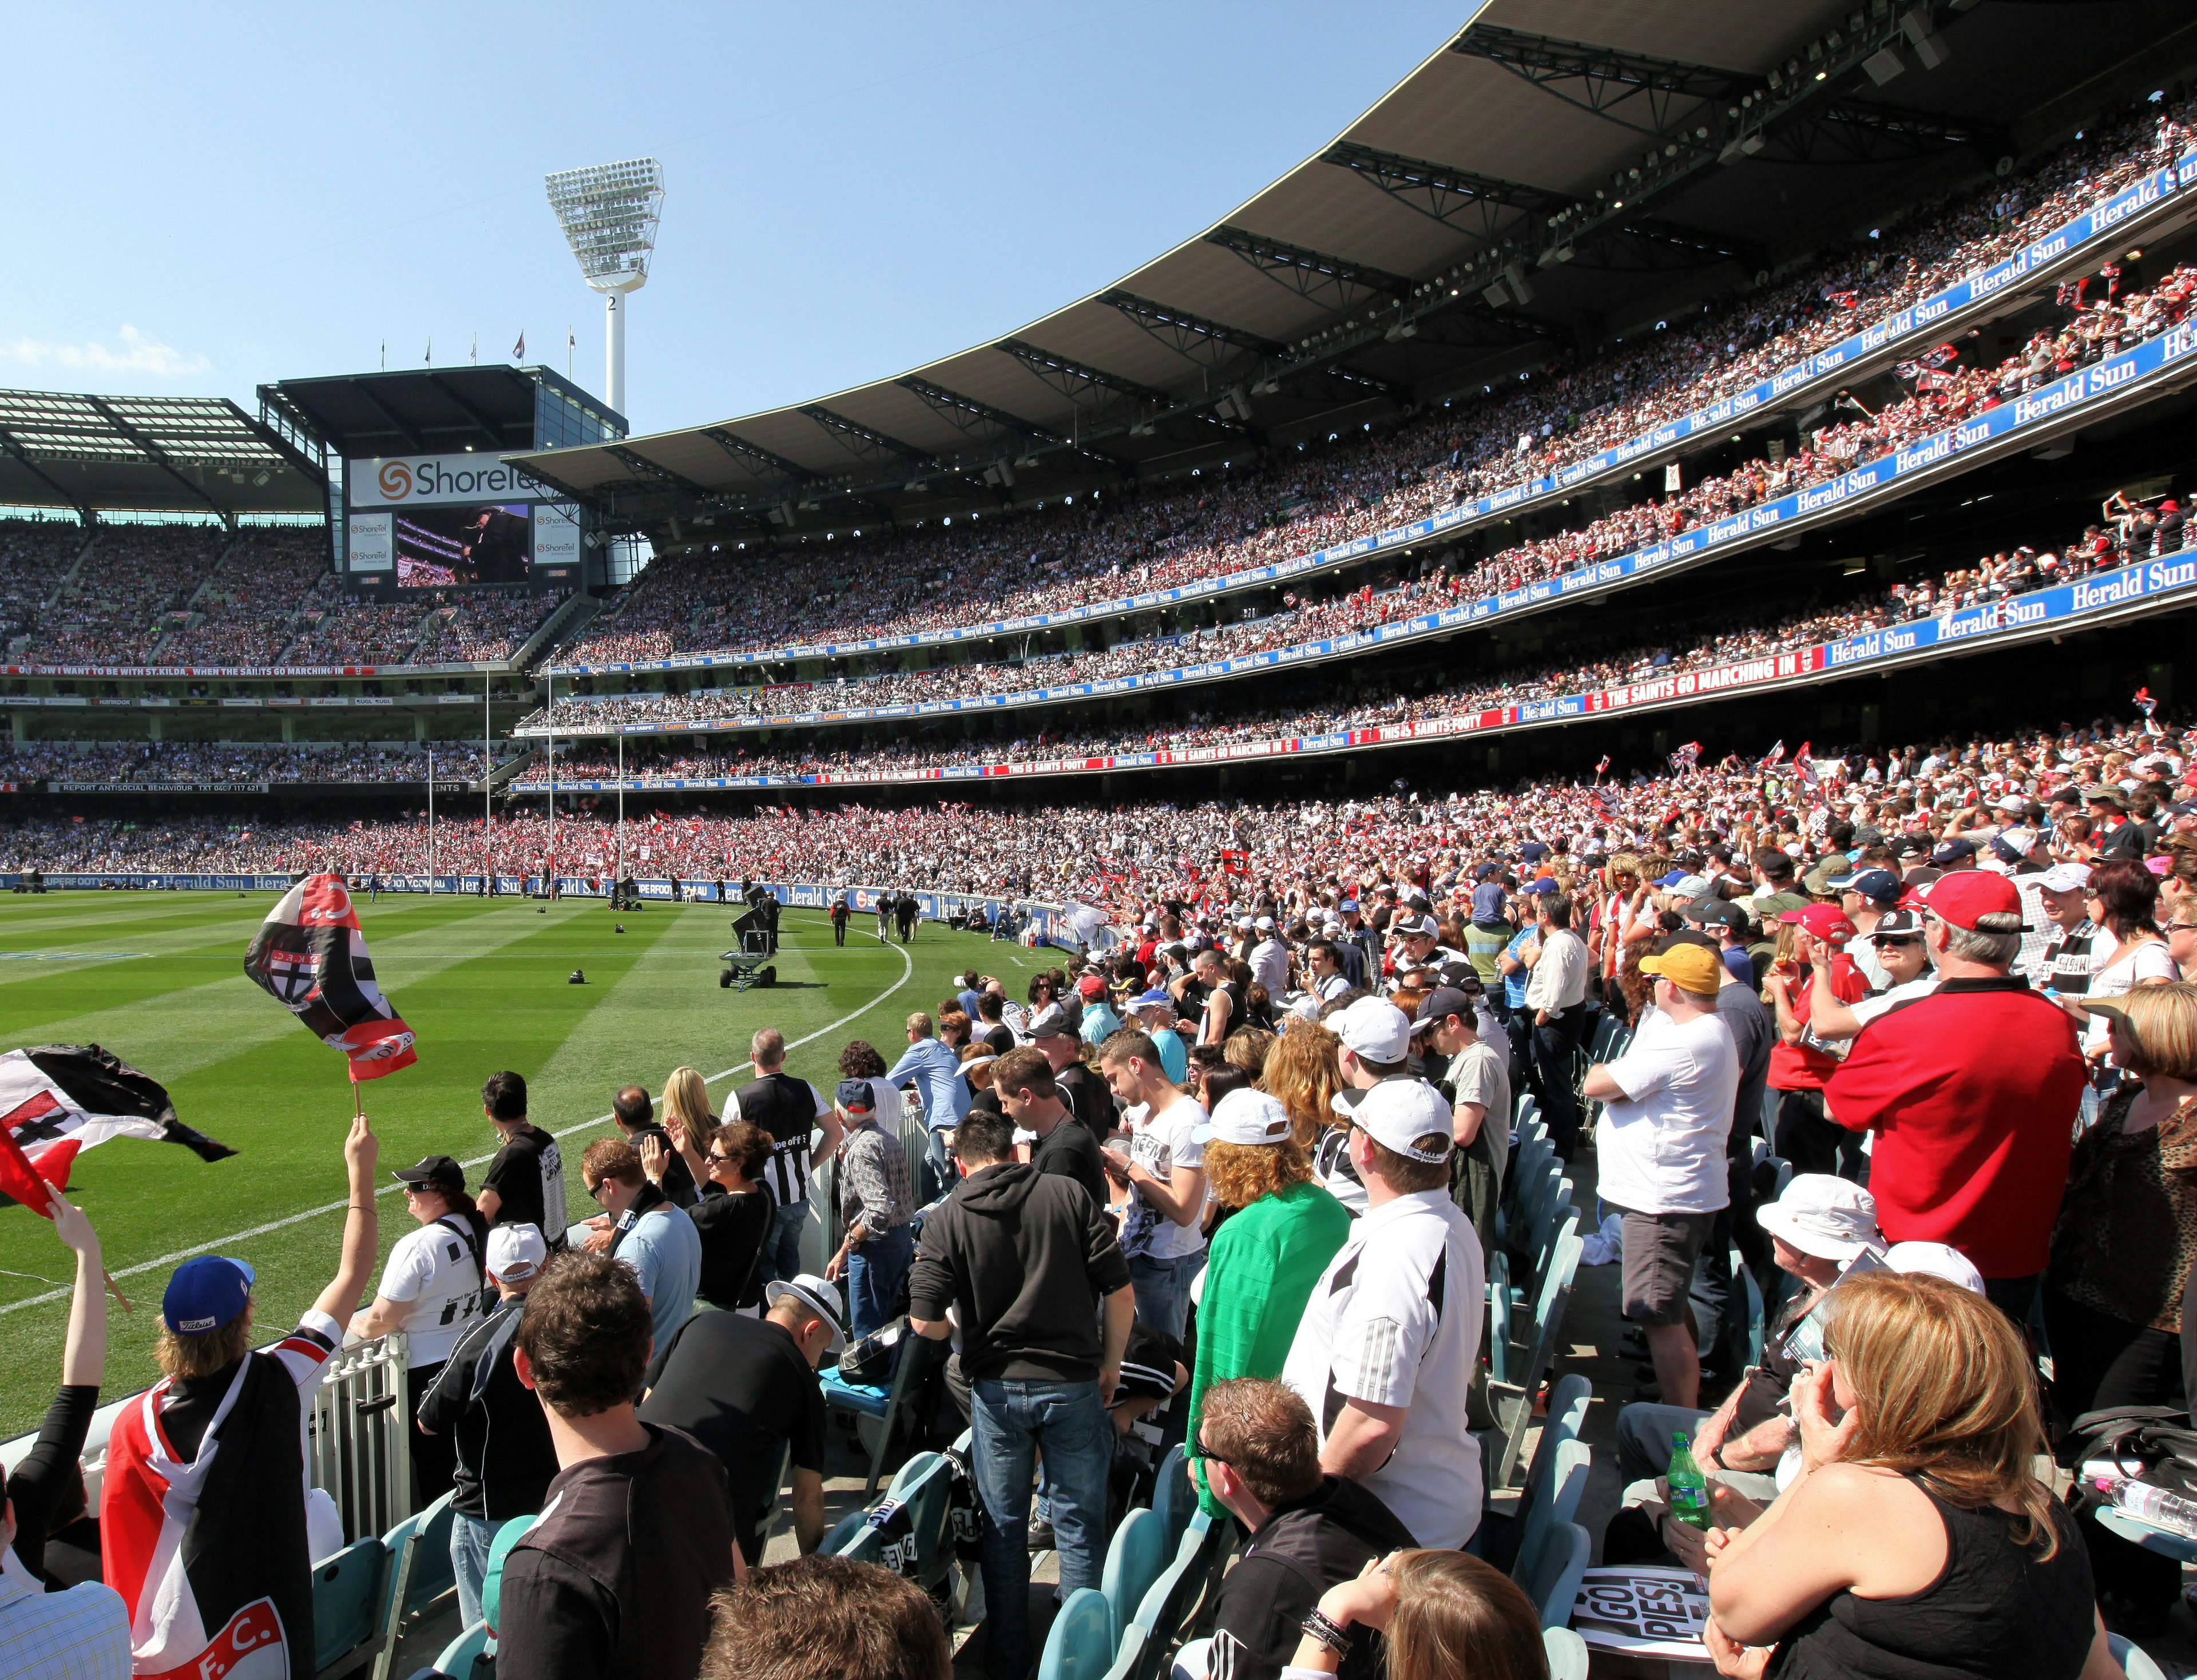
253	605
128	591
1103	549
149	764
35	555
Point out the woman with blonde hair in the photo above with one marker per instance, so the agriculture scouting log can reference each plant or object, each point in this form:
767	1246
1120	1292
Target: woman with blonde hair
1248	1048
686	1106
1916	1540
1301	1072
1445	1616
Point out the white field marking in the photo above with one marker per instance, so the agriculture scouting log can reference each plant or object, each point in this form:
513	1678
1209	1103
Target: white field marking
907	972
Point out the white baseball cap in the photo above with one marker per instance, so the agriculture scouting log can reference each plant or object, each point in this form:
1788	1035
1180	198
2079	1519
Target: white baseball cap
1821	1215
1397	1113
1249	1117
2064	878
515	1252
1938	1259
1374	1029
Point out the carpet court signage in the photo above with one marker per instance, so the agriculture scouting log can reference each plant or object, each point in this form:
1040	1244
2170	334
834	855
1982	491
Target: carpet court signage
1921	318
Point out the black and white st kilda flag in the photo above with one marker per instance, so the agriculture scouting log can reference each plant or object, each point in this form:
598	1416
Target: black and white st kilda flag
310	954
60	1100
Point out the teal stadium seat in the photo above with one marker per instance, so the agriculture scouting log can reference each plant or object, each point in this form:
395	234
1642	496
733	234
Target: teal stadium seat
1081	1646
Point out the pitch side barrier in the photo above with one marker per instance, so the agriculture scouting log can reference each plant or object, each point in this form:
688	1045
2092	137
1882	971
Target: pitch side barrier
2069	247
1040	919
2163	361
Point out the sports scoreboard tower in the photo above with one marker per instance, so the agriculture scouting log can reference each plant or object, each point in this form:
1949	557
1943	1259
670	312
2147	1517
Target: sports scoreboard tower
420	494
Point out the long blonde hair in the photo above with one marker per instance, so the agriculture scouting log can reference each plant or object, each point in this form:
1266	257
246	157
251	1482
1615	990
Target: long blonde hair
1947	1391
687	1099
1301	1074
1458	1615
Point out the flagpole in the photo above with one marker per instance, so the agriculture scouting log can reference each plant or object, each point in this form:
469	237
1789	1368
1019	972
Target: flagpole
619	829
431	822
488	796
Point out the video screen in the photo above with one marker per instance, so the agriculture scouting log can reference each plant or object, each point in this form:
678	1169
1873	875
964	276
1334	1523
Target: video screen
439	547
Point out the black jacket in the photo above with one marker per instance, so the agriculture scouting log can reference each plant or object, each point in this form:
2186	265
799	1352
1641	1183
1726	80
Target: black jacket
1026	1258
506	1458
1299	1552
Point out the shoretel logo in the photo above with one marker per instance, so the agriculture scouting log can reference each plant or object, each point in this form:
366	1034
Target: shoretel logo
395	480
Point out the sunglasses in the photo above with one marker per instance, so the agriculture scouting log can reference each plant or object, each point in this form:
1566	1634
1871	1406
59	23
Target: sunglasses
595	1189
1197	1448
1898	941
717	1160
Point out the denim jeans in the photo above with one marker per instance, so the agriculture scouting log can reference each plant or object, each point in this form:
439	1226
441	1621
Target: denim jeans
470	1540
781	1250
1012	1422
1162	1288
875	1272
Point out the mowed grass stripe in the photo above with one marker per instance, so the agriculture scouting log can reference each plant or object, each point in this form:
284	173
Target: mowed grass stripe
204	939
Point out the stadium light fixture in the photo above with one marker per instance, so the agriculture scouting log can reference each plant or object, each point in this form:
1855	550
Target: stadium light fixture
609	213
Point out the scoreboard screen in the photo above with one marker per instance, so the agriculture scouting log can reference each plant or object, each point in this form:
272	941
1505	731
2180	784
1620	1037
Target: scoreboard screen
441	522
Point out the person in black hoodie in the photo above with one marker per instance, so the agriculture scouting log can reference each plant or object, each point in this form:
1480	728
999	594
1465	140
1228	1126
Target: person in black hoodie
1026	1260
1309	1531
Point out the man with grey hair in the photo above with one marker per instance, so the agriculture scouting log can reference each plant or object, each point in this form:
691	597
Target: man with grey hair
1973	1092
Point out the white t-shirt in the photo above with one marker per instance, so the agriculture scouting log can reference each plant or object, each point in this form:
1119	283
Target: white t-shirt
1163	1142
2138	966
1660	1148
1395	1320
431	1271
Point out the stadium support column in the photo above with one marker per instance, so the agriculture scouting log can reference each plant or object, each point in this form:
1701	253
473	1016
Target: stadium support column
618	873
431	822
614	350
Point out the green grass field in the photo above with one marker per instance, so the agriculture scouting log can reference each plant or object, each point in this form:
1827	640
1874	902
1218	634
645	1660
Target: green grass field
157	979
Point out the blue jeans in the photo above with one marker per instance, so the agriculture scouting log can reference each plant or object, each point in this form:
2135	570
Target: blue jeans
470	1540
875	1272
781	1248
1162	1288
1012	1422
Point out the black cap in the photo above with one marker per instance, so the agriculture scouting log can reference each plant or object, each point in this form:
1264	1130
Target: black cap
1440	1003
1707	911
439	1170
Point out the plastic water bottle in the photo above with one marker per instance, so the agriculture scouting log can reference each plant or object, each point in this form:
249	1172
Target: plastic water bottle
1690	1488
2154	1506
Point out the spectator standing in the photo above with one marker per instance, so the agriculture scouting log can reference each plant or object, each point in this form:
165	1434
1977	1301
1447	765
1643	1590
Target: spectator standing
1099	1021
1029	1098
937	1071
1475	1082
656	1241
1054	1034
635	1115
1555	997
2065	968
635	1535
1798	1062
685	1105
1154	1011
2124	902
431	1288
1165	1169
1282	1231
1269	959
746	1389
524	1184
81	1633
1373	1042
1915	1538
734	1215
875	1207
203	1509
790	1109
504	1459
1973	1091
1309	1531
45	1491
1667	1111
826	1618
1384	1354
1029	1266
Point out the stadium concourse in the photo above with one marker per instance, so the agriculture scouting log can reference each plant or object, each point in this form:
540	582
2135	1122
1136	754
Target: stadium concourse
1515	839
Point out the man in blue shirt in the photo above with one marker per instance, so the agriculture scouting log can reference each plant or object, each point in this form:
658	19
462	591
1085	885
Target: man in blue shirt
1155	1012
650	1233
936	1072
967	996
1100	1022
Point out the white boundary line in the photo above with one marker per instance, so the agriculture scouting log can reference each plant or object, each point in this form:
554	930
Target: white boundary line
906	973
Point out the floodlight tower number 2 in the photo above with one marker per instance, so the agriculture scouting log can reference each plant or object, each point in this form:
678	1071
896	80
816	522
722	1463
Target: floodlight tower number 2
609	213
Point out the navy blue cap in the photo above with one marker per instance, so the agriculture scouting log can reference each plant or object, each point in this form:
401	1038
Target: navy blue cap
1880	884
1953	850
205	1293
856	1096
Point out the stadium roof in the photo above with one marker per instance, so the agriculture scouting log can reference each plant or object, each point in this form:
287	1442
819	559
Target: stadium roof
1558	171
167	454
422	411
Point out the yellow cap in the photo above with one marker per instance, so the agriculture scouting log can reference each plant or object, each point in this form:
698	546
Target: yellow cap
1690	967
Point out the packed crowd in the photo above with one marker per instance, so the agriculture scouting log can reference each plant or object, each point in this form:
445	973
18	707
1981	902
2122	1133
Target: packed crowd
35	555
2135	530
150	763
128	593
253	605
1230	1177
1103	549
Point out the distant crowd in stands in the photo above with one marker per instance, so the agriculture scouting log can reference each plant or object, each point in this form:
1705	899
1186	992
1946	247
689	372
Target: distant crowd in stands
149	763
1104	549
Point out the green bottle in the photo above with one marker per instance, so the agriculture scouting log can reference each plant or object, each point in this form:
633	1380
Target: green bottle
1690	1488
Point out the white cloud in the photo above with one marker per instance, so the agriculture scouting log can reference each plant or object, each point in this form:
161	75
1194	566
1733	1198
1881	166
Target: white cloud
137	354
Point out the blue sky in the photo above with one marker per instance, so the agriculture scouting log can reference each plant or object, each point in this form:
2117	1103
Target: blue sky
210	196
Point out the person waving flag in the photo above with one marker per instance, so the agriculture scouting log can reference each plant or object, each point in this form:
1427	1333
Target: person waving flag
310	956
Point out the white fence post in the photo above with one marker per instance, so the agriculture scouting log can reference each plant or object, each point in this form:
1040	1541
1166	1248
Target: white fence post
358	1441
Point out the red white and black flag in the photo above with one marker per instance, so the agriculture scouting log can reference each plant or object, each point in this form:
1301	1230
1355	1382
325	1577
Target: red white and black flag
62	1098
310	954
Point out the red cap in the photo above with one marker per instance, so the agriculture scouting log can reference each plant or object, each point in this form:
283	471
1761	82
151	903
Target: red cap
1960	897
1827	922
1090	986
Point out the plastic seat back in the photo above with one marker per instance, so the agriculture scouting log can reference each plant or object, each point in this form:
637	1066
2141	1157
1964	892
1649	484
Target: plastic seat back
498	1550
2134	1662
1081	1646
1554	1496
1566	1652
1175	1496
1548	1322
1136	1558
1550	1572
459	1655
924	1485
347	1590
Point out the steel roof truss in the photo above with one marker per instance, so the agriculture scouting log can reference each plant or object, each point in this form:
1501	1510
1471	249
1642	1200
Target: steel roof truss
1600	79
160	458
1336	282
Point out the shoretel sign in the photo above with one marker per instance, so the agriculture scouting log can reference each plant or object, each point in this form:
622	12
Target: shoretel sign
423	481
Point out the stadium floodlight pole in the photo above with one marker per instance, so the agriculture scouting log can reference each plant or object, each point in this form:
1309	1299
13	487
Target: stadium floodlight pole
488	786
619	873
431	822
609	213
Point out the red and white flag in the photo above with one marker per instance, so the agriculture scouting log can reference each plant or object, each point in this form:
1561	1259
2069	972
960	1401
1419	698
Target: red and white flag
60	1100
310	956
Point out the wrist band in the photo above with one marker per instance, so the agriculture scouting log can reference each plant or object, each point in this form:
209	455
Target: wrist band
1324	1630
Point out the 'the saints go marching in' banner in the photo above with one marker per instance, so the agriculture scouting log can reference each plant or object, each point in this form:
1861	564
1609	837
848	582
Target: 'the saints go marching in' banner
310	955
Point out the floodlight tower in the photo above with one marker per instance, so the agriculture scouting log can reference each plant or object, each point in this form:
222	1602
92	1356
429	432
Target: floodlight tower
609	213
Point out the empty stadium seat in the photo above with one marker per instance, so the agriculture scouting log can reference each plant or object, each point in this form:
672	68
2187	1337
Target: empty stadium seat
347	1594
1175	1495
883	1413
1081	1646
1136	1558
1551	1572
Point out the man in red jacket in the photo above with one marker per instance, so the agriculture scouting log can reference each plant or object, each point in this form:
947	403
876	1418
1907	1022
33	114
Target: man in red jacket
1972	1092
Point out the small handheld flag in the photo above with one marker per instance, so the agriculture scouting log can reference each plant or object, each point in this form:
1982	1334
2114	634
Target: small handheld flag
310	955
2144	701
60	1100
